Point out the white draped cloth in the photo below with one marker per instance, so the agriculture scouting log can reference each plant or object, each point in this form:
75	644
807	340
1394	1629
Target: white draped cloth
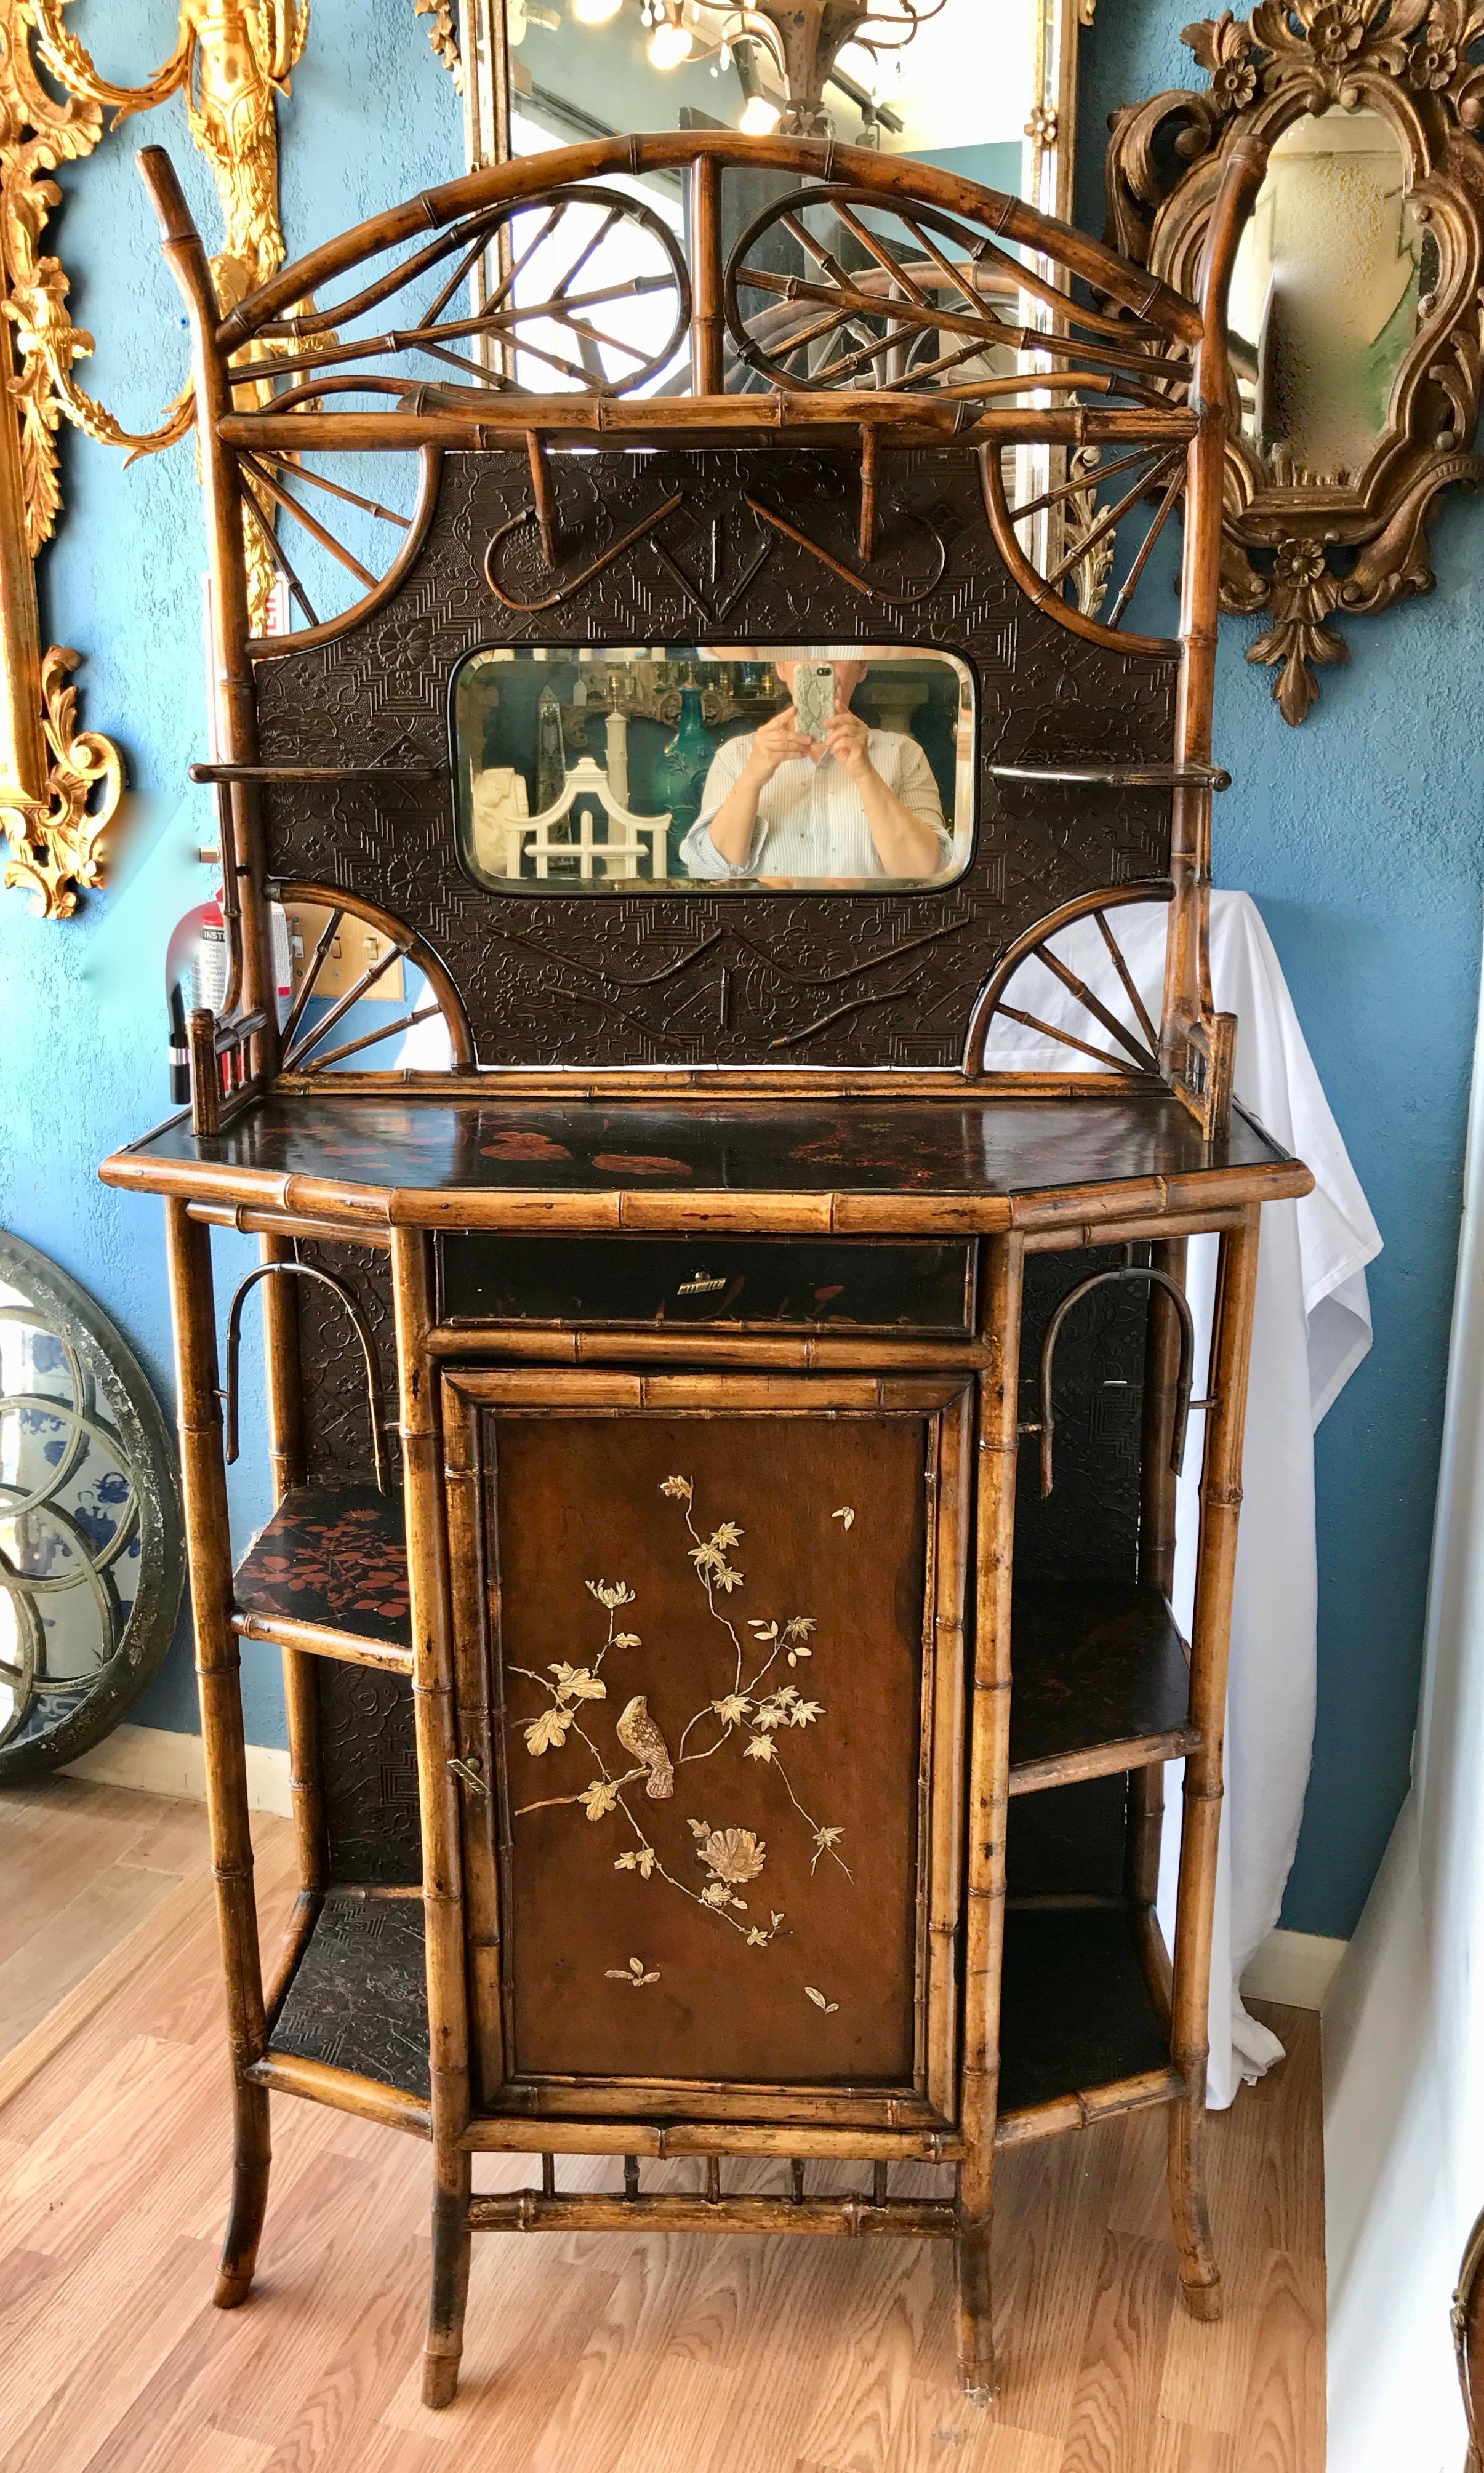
1311	1329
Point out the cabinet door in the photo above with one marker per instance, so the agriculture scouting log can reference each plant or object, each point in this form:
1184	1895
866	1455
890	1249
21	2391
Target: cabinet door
710	1637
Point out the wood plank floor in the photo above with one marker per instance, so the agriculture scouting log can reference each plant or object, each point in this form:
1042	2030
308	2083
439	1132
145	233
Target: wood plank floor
592	2354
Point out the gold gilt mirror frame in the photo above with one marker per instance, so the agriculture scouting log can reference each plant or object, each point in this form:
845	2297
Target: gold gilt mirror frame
1348	421
60	784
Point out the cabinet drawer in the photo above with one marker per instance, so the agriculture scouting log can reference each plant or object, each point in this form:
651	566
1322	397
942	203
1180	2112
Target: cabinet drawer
660	1280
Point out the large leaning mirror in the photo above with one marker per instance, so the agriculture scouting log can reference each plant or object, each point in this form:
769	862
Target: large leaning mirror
1353	308
988	90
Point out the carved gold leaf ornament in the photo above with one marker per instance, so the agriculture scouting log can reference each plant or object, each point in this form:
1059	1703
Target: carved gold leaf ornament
63	849
231	60
1301	549
443	36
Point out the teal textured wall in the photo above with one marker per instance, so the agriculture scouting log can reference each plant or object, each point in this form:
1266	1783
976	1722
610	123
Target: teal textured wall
371	119
1359	837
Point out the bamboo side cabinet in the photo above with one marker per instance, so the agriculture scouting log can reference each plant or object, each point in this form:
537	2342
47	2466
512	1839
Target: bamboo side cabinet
766	1808
722	1427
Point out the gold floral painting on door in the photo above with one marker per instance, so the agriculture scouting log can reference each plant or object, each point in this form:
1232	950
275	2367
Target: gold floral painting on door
710	1764
742	1716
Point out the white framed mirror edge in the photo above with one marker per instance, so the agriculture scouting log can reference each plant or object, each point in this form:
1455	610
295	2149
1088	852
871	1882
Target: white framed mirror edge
1050	134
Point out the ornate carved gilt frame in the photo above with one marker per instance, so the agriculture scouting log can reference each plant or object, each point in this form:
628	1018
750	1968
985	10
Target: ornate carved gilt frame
1304	552
59	786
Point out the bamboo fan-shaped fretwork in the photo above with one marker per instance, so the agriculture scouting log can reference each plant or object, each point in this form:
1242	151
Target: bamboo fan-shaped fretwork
311	1047
1113	1030
839	287
589	293
337	551
1084	542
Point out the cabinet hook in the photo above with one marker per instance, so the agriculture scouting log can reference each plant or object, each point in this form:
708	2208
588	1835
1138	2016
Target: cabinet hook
1126	1271
358	1322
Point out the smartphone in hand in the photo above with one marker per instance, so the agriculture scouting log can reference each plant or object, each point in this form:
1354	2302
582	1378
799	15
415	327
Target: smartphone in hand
814	697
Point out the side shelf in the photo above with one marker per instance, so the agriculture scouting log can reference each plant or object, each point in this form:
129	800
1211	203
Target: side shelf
358	1997
328	1575
1083	1997
1075	2010
1101	1682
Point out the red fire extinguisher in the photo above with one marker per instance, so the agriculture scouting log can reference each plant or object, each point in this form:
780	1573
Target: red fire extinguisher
195	966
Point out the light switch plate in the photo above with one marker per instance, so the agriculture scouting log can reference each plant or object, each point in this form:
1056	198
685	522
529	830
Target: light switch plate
354	950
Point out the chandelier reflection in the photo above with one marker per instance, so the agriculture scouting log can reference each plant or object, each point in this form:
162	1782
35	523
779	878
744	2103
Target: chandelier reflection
784	52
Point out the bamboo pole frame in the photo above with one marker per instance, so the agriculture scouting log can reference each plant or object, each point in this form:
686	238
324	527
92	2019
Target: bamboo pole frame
952	2113
1221	1498
989	1793
203	1489
438	1795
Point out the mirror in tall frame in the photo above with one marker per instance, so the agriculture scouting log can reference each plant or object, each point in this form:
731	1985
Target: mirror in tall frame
1355	361
987	92
1326	296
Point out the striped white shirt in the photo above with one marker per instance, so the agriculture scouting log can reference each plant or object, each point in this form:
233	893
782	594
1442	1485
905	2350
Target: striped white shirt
811	819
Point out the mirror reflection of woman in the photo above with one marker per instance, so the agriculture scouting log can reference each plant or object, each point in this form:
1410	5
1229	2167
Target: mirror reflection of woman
855	805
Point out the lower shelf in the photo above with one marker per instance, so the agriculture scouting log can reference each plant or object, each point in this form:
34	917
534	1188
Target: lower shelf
1075	2012
359	1996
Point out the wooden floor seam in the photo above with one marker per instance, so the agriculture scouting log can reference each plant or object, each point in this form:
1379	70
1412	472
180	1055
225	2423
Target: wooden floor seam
586	2353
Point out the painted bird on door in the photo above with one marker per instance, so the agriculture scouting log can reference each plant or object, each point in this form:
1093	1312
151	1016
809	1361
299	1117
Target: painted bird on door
643	1740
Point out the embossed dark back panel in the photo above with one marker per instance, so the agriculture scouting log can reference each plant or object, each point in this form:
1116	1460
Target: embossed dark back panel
369	1757
1089	1522
686	976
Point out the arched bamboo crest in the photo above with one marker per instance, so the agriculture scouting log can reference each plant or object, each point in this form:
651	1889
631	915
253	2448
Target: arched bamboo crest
966	321
558	1233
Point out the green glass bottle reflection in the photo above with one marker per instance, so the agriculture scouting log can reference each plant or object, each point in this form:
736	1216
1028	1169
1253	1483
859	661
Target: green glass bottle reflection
679	774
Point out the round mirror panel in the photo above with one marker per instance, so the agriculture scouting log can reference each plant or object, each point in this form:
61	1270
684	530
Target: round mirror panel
91	1557
1326	298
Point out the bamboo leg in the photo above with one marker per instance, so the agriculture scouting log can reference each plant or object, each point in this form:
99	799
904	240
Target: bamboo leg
989	1786
1221	1496
1157	1567
433	1703
203	1486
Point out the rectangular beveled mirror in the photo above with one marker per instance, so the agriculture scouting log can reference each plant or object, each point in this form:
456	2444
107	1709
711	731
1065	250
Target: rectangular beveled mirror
745	767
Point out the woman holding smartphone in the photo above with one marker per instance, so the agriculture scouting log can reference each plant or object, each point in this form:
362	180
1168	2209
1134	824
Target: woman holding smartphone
834	799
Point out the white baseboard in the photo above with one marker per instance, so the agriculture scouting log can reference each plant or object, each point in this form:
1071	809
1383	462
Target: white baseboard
155	1762
1294	1968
